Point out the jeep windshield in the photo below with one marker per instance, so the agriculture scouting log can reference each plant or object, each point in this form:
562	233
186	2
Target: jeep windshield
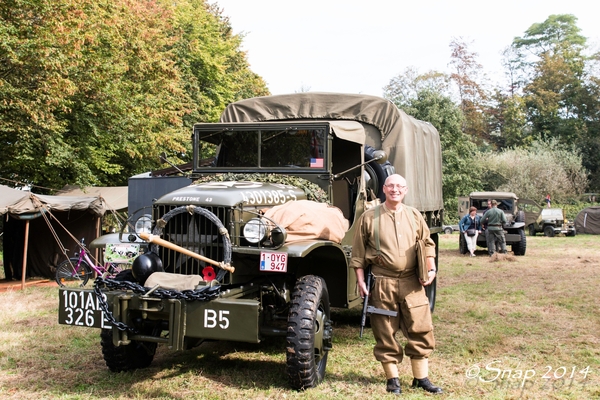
251	146
503	204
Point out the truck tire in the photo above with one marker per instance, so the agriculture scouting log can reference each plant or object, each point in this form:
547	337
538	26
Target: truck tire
532	230
462	244
520	247
135	355
448	230
549	231
309	333
377	173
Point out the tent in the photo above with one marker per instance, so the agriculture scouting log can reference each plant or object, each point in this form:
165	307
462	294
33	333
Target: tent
34	225
588	220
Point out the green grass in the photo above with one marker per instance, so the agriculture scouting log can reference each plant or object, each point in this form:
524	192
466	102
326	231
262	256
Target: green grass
534	313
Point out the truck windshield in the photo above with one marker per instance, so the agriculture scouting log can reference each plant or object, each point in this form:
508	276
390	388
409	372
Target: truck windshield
276	148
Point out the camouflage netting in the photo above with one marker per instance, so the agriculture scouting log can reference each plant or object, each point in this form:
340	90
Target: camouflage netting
313	191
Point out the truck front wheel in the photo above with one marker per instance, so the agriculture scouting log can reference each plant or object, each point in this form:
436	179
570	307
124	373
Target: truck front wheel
127	357
549	231
309	333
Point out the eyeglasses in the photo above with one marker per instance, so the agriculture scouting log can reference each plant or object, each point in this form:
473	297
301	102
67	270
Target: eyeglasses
399	187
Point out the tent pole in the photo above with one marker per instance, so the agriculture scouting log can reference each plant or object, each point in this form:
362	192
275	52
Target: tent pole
24	268
98	233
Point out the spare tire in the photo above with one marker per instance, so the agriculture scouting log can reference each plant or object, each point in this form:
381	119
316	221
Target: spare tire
376	173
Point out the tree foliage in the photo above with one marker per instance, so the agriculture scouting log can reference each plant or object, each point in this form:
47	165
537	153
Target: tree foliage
92	91
473	97
560	92
545	167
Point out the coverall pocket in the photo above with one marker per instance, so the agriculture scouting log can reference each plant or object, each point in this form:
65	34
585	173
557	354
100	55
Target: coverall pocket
417	314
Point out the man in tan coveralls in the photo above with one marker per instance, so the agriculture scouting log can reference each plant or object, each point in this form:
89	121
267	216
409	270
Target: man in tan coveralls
397	286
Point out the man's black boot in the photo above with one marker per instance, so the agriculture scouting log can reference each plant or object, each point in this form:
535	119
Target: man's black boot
426	384
393	386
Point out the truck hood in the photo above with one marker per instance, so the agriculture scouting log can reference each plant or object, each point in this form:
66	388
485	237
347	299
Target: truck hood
232	193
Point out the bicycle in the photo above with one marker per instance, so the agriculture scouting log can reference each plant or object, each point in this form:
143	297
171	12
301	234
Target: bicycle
80	268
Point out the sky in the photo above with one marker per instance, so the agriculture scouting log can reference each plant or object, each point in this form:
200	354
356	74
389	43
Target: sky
358	46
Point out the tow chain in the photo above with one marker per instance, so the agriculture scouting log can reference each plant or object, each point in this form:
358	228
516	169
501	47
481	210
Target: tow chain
205	293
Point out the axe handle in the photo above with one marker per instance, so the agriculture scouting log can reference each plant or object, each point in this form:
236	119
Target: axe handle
164	243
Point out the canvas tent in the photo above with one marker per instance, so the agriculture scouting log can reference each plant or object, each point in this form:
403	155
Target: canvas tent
588	220
31	221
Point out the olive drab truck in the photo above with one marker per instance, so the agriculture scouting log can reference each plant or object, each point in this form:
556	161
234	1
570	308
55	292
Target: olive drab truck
254	273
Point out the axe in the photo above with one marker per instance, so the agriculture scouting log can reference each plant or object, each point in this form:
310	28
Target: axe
164	243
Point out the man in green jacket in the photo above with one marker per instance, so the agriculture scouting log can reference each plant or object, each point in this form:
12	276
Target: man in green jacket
494	220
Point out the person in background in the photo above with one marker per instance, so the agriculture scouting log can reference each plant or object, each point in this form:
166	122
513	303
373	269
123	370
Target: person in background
548	200
471	221
494	220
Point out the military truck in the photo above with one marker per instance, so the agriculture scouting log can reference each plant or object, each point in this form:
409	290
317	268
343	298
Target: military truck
514	229
255	283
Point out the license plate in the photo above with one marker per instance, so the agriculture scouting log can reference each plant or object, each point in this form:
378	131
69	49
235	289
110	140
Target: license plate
80	307
273	261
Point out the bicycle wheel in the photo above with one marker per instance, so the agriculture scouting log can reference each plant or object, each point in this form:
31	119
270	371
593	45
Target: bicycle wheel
72	272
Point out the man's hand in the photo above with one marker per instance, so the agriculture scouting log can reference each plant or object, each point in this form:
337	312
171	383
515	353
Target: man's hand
362	288
360	282
431	276
432	272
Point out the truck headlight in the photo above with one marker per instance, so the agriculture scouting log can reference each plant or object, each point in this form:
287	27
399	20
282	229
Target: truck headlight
255	230
143	224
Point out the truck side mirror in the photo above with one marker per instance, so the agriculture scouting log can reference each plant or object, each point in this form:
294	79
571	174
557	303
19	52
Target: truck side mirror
380	156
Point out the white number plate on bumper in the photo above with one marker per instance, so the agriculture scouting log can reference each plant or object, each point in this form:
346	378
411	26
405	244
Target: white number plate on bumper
273	261
80	307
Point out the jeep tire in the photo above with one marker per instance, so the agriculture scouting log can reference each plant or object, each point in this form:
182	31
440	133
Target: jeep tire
532	230
309	333
135	355
519	247
462	244
548	231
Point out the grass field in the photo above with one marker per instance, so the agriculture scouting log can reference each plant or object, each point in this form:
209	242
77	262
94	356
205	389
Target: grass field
512	328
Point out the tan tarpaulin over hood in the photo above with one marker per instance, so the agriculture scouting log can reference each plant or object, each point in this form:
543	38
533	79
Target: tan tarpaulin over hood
413	146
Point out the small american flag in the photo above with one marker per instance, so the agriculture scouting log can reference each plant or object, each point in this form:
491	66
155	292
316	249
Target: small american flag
316	163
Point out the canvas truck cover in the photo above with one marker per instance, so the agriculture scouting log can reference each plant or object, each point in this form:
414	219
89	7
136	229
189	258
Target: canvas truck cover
413	146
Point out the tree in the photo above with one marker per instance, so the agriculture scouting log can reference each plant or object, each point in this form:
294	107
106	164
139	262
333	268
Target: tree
92	91
472	95
559	92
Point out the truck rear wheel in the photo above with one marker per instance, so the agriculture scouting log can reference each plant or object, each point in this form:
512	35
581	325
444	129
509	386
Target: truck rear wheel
309	333
532	230
127	357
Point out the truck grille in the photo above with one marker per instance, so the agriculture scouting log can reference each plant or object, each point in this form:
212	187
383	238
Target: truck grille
193	232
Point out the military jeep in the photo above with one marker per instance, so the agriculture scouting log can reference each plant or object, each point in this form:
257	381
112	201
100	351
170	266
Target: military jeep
514	229
551	221
254	283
